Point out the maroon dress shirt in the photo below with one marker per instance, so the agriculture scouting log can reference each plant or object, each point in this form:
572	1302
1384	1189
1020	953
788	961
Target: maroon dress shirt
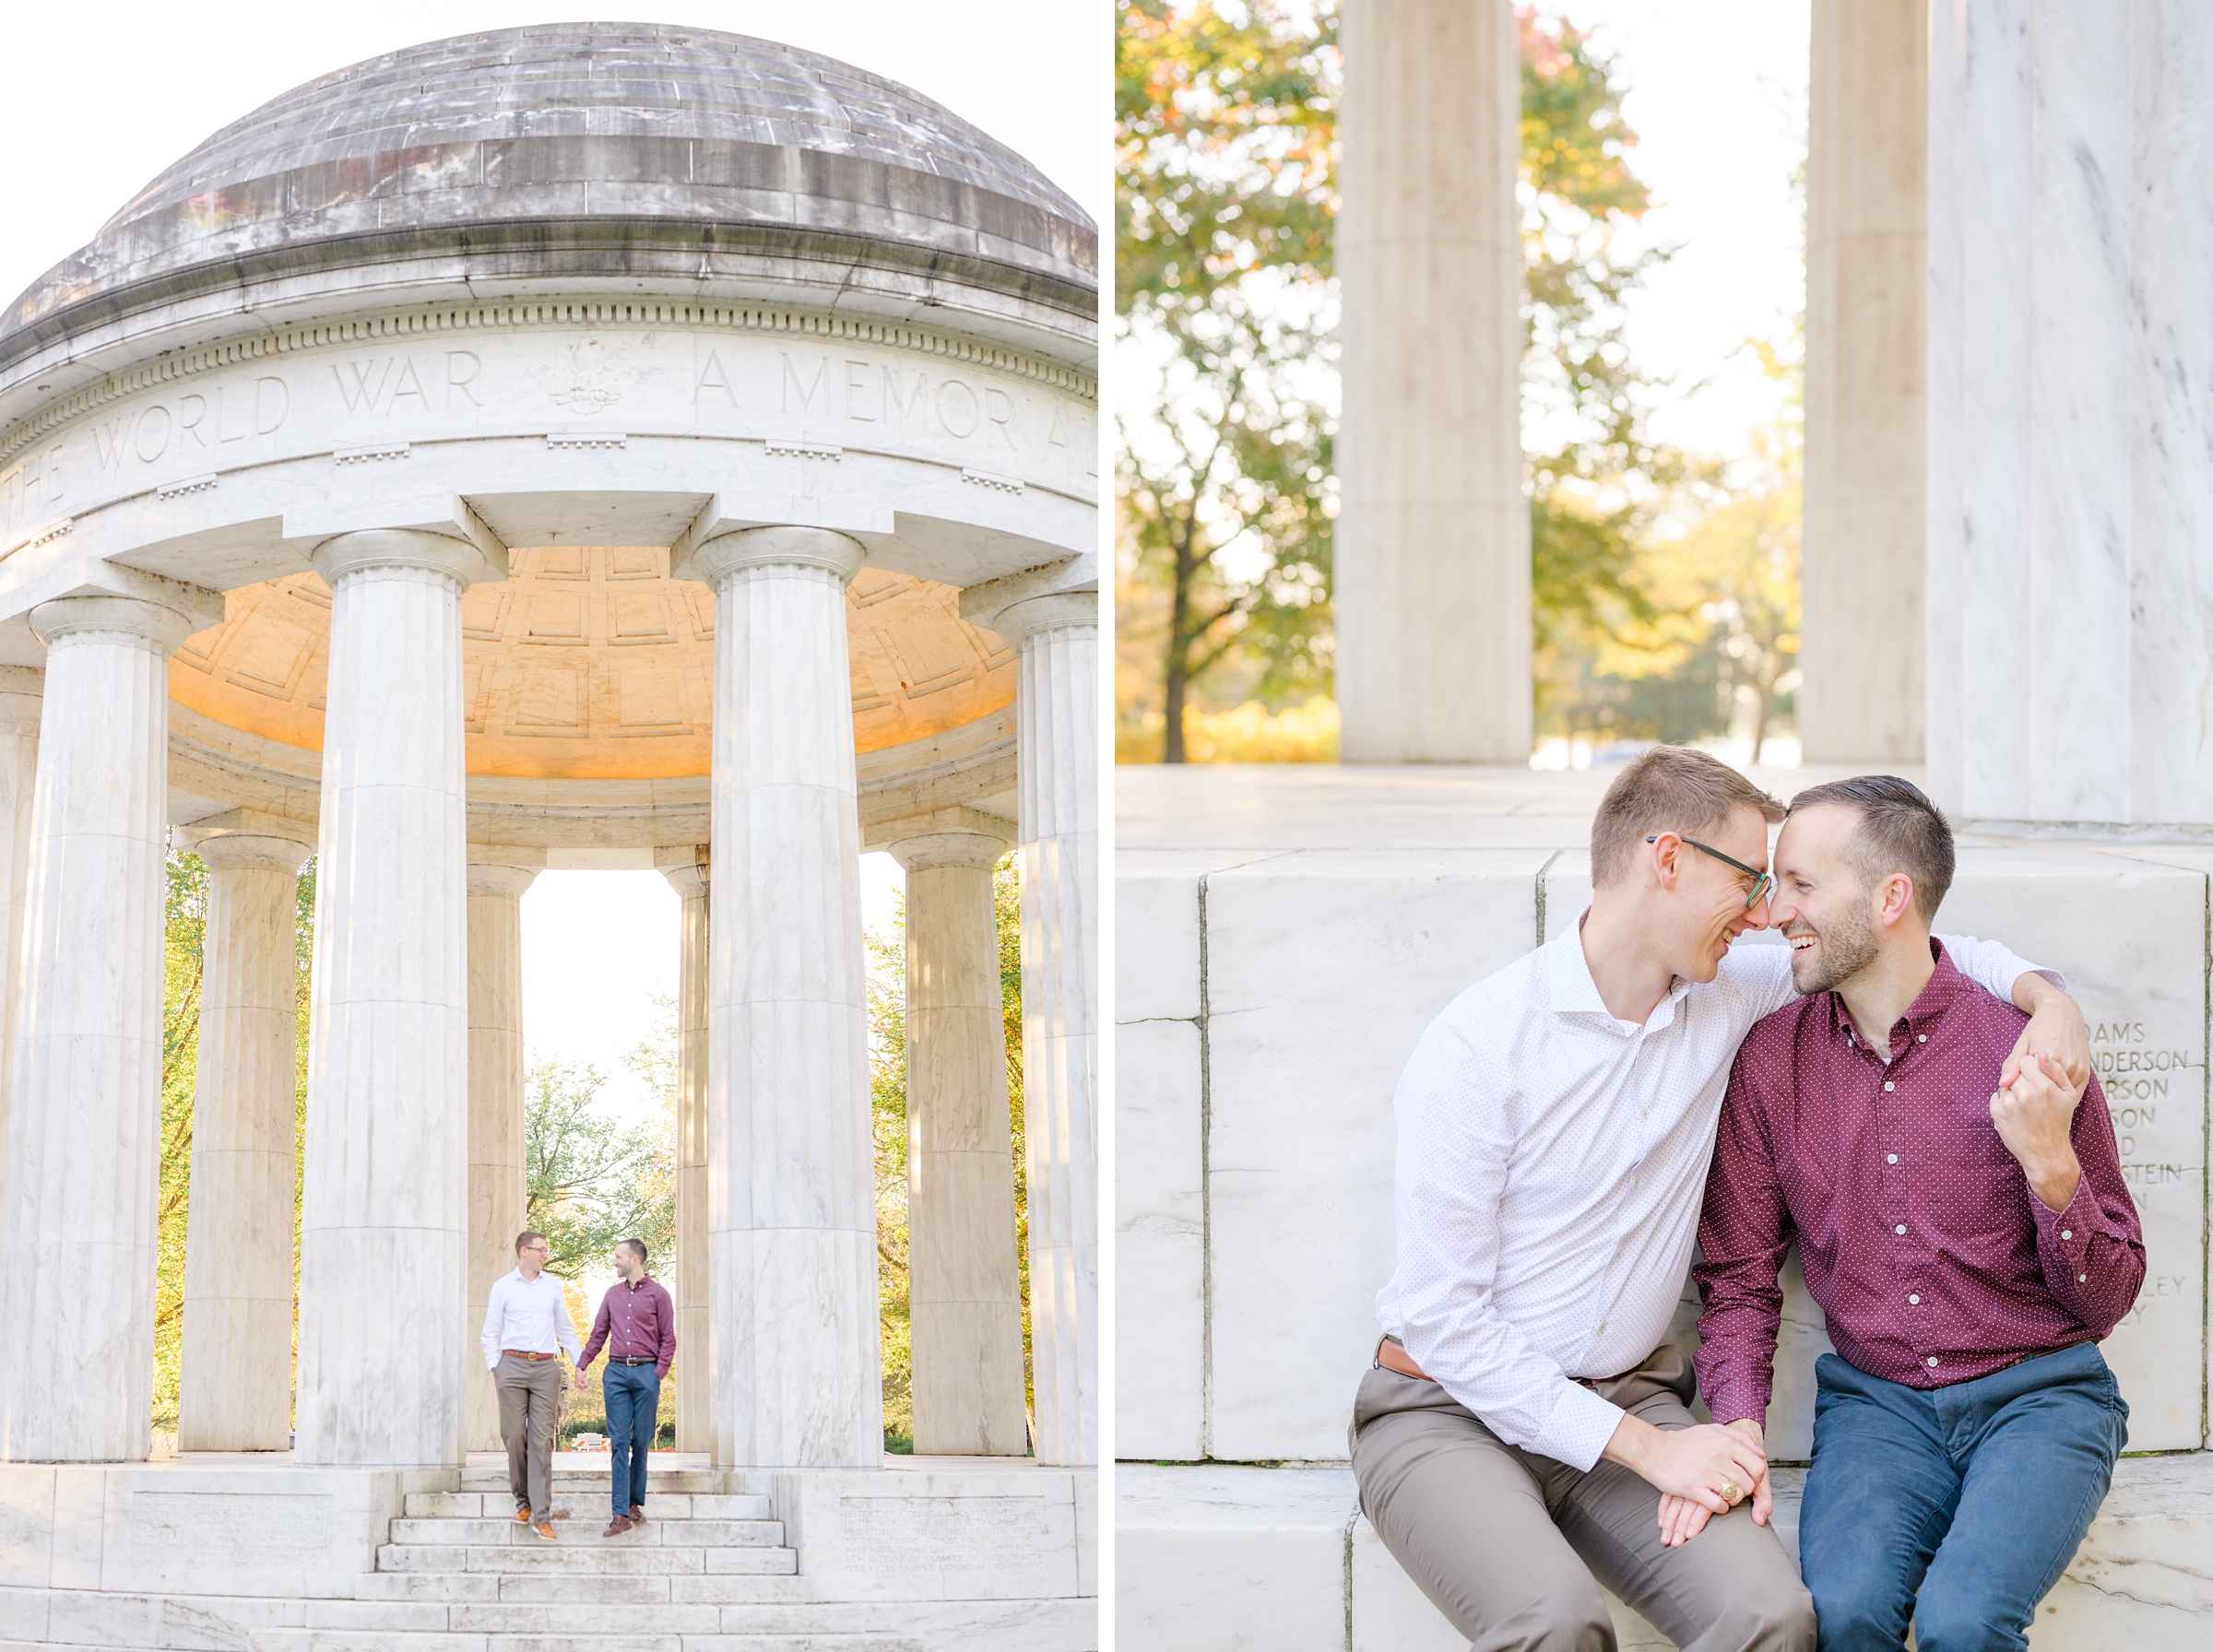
635	1322
1920	1236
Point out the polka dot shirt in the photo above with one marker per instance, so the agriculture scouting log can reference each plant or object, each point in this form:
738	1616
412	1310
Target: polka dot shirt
1920	1236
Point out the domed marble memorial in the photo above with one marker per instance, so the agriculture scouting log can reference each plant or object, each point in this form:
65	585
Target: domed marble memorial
592	444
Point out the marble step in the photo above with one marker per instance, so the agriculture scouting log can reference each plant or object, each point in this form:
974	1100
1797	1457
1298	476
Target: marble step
657	1480
576	1640
582	1556
612	1588
584	1527
659	1505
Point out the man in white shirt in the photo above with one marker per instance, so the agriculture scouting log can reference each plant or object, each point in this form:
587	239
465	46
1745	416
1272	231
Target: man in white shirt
1522	1420
526	1326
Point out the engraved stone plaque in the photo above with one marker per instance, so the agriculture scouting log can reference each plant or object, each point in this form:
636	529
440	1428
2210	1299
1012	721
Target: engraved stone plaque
229	1531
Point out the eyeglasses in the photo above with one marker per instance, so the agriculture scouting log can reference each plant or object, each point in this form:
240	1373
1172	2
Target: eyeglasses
1763	883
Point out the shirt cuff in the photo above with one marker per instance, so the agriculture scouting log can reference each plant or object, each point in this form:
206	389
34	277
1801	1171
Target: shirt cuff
1581	1424
2069	1232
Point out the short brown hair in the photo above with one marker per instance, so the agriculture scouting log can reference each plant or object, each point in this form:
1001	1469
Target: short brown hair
635	1246
525	1237
1899	830
1670	788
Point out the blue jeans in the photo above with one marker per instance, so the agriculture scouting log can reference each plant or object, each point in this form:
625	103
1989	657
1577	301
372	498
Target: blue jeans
634	1404
1973	1497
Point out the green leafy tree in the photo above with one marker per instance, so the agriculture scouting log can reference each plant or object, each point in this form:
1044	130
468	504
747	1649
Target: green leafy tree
590	1177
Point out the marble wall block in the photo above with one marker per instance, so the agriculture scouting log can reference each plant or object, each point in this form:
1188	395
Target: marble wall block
695	1414
939	1534
1432	587
1230	1559
2070	601
790	1188
965	1294
235	1381
1865	567
77	1227
384	1211
1323	970
1055	639
498	1198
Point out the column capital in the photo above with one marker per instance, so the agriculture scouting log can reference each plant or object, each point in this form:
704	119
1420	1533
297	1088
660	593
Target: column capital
152	622
948	837
685	866
714	560
1042	599
22	697
251	851
460	559
504	868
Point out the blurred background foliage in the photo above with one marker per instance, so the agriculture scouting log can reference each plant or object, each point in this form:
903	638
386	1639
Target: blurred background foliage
1664	591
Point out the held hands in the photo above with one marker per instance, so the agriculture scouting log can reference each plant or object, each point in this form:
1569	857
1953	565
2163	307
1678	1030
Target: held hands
2056	1030
1700	1470
2035	1119
1681	1518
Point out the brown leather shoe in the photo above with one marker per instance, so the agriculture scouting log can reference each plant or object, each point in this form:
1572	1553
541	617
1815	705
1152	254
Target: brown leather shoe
617	1527
637	1513
522	1514
544	1529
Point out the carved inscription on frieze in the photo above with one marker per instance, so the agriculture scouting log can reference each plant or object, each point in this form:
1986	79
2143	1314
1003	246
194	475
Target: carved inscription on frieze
891	1535
231	1531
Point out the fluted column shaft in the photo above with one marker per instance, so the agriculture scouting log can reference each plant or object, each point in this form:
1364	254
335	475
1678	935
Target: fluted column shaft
21	687
964	1284
695	1414
1866	565
790	1188
497	1195
85	1115
1432	587
383	1226
235	1385
1057	756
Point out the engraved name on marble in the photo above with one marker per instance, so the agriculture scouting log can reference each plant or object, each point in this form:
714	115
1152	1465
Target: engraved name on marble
229	1531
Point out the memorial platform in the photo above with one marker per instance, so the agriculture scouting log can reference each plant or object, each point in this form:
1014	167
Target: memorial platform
928	1554
1284	935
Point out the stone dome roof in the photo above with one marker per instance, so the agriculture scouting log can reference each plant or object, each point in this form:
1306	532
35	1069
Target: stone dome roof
578	149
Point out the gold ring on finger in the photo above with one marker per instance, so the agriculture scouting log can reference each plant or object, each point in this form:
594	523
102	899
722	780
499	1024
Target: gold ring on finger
1730	1494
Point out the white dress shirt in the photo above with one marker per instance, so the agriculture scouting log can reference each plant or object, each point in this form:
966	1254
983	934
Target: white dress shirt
528	1316
1551	1164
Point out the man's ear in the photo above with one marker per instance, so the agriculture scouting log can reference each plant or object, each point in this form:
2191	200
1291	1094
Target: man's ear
1897	899
1666	855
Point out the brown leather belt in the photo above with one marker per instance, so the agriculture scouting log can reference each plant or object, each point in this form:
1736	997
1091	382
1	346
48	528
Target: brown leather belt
520	1354
1391	1353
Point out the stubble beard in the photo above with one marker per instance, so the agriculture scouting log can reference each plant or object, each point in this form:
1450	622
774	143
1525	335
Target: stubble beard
1848	946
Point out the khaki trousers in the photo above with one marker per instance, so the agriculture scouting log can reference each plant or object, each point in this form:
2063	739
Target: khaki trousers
1511	1546
530	1391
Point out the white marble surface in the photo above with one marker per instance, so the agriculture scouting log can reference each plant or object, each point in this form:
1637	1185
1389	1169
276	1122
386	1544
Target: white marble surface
694	1410
791	1223
385	1215
963	1286
2071	216
1432	569
76	1222
21	687
235	1380
1865	640
497	1188
1056	698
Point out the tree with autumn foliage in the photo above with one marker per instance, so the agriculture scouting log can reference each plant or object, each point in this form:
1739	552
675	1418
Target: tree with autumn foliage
1226	207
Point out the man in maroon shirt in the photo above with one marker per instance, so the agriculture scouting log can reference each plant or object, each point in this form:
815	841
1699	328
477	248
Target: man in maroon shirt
637	1325
1969	1250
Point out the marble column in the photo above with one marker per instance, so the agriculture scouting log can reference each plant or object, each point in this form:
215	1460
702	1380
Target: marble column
2070	585
964	1284
1432	589
791	1197
85	1115
1056	640
384	1225
695	1414
235	1383
1864	569
21	689
496	1183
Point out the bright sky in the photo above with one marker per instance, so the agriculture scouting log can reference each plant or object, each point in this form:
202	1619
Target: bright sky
90	119
1717	93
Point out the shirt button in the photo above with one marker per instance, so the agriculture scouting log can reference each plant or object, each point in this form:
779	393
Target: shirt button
1887	1085
2066	1232
2082	1279
1899	1229
1914	1300
1931	1359
1922	1038
1894	1158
